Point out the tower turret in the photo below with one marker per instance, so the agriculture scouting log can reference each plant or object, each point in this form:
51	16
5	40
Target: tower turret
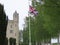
16	16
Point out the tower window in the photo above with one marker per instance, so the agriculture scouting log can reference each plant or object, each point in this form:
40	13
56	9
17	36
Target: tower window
11	31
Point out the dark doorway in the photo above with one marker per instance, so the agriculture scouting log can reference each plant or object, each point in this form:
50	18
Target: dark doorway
12	41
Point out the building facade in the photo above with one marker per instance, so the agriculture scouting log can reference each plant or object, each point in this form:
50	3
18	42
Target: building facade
12	33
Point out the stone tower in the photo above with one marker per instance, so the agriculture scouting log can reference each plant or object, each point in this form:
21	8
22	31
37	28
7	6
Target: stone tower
13	30
16	17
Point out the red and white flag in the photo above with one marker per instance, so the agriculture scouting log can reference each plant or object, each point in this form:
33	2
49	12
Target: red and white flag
33	10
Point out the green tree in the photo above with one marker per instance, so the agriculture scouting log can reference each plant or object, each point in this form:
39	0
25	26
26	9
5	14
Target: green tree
46	23
3	25
26	33
51	10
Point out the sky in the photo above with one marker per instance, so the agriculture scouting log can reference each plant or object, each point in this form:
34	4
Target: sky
21	6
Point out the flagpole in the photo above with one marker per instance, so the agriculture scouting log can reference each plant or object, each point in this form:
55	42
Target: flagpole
29	31
29	27
30	3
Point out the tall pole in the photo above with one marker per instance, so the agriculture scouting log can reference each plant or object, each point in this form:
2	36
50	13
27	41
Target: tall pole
29	31
30	3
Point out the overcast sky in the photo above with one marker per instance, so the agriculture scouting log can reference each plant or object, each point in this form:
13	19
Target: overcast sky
21	6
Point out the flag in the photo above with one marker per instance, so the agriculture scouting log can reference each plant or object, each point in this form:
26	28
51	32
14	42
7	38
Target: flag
35	13
33	10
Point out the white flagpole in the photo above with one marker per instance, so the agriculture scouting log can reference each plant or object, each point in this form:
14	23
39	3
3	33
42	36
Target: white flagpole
29	25
29	31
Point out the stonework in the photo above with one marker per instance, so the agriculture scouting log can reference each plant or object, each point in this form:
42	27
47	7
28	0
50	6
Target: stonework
13	28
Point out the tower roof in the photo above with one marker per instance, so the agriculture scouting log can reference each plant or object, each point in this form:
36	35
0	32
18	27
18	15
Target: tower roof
15	13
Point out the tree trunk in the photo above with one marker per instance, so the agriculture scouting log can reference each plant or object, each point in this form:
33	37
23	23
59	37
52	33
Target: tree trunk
36	42
58	39
42	43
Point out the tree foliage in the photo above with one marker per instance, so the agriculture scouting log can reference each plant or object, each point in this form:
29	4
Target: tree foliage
51	11
47	23
3	25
